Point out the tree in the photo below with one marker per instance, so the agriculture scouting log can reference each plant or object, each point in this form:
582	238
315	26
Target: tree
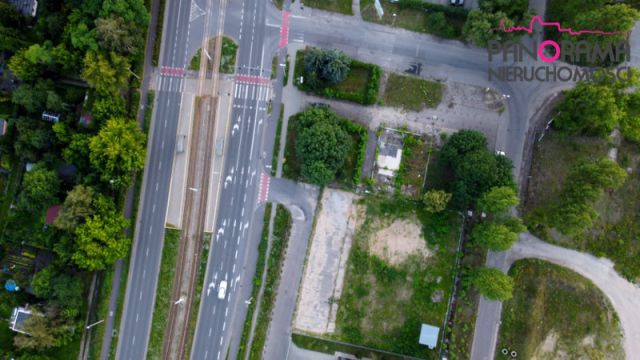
38	97
117	151
41	334
77	152
498	200
436	201
77	206
30	63
324	142
462	143
116	35
105	108
108	75
436	23
478	172
39	189
131	11
34	137
590	109
497	236
100	241
630	123
493	284
328	67
63	291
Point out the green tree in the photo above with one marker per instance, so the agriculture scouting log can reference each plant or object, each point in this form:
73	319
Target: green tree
493	236
478	172
76	207
590	109
131	11
108	75
116	35
323	142
34	137
100	241
117	151
630	123
63	291
39	189
493	284
436	201
77	152
498	200
105	108
462	143
37	97
41	334
317	172
436	23
325	67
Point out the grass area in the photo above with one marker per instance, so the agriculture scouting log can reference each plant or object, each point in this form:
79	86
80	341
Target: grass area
163	293
383	305
257	281
331	346
410	176
202	270
276	146
286	70
615	234
279	240
228	56
339	6
360	86
418	18
412	93
349	174
120	305
158	40
68	351
274	69
557	309
194	64
274	66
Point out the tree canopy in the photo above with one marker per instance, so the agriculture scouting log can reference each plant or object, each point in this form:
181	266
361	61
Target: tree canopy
461	143
498	200
325	67
39	189
483	24
76	207
100	241
107	74
436	201
497	235
117	151
493	284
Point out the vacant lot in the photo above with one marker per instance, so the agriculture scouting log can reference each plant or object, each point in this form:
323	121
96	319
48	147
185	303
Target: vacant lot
324	273
413	167
557	314
616	233
388	293
412	93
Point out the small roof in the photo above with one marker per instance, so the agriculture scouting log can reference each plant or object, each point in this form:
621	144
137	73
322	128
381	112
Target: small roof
52	214
18	317
429	335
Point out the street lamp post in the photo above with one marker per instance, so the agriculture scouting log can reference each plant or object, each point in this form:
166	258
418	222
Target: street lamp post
94	324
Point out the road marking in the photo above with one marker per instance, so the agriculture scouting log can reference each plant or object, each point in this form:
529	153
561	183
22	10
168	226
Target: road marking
144	273
137	317
157	186
236	256
159	165
147	254
221	341
140	297
224	325
242	212
150	229
133	340
226	312
153	208
162	145
245	198
214	310
234	266
210	331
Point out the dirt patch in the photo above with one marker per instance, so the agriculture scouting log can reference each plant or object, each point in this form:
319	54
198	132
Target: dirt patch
396	242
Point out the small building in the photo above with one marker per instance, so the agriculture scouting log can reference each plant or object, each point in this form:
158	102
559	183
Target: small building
26	7
429	336
389	153
52	214
18	317
50	117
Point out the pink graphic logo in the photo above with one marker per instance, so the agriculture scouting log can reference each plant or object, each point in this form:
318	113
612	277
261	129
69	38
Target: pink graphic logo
541	47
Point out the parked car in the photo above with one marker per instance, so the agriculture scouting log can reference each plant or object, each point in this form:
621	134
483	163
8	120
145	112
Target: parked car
457	2
319	105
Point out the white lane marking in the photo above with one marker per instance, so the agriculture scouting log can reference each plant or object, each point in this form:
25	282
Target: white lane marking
246	92
137	317
153	208
147	254
234	269
140	297
144	273
133	340
242	212
150	229
157	186
159	165
224	325
236	256
236	92
220	340
210	331
162	145
214	310
226	312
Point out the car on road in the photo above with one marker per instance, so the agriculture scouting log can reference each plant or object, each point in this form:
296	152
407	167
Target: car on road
222	289
319	105
457	2
501	153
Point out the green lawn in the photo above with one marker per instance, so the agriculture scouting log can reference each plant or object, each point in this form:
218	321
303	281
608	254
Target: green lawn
360	86
410	177
195	306
416	19
257	281
616	233
228	56
555	311
412	93
383	305
276	145
102	309
163	293
340	6
279	240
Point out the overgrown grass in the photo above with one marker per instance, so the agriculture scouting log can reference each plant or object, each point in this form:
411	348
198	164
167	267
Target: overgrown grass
412	93
120	305
383	305
286	70
276	145
328	346
339	6
615	234
163	293
410	176
279	240
102	309
202	270
228	56
416	17
158	40
361	85
550	301
257	281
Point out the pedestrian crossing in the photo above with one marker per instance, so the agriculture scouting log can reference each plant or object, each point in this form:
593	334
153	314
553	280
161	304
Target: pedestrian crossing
257	92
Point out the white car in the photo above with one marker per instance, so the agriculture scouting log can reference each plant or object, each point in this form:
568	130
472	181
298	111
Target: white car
498	152
222	289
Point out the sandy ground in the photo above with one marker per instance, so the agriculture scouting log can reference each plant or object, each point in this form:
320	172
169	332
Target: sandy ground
624	296
396	242
328	254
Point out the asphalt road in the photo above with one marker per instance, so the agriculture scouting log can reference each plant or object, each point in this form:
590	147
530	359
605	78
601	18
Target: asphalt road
149	234
239	217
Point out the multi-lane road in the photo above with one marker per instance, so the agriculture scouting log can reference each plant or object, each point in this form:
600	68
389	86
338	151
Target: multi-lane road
238	220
